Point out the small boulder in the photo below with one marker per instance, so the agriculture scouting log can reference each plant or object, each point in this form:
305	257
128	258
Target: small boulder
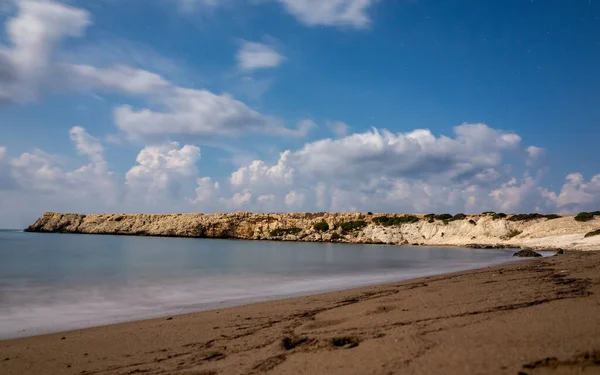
560	252
527	254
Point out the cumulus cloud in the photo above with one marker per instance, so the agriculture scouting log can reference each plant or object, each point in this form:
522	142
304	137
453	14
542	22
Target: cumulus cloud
38	172
577	193
294	200
475	149
350	13
240	200
253	55
160	170
207	193
510	196
411	171
258	173
33	34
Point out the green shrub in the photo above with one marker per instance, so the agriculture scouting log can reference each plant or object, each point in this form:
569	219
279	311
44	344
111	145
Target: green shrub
488	213
472	222
429	216
284	231
445	221
458	217
443	217
431	220
586	216
512	233
387	221
348	226
369	213
526	217
552	216
594	233
497	216
321	226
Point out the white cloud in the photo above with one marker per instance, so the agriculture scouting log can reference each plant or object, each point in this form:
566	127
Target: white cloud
535	152
253	55
27	66
119	78
476	148
294	200
207	192
196	113
577	194
510	196
39	172
160	169
241	199
534	155
405	171
87	145
371	171
259	174
34	34
339	128
351	13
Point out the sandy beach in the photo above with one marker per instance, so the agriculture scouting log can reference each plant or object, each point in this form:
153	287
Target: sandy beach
535	317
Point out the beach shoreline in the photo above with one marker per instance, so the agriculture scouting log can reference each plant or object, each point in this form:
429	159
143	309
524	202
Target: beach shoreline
225	304
526	312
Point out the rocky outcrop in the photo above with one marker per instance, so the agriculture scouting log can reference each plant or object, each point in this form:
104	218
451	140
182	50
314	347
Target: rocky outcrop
527	254
477	231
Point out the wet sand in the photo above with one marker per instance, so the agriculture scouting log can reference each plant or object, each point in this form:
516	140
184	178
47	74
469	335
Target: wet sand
540	316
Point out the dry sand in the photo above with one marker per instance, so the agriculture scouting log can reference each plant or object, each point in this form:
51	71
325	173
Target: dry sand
537	317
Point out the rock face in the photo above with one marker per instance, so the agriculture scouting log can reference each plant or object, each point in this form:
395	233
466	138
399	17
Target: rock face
488	231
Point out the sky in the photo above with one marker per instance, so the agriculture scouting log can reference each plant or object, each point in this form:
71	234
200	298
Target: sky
298	105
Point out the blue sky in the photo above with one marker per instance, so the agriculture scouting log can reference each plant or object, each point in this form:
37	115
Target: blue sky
293	105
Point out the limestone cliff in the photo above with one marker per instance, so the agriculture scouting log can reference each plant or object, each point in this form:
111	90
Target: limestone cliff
470	230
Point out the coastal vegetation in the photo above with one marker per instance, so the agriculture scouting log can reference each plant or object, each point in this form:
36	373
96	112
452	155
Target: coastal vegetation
525	217
349	226
494	215
460	216
279	232
387	221
443	217
586	216
321	226
512	233
594	233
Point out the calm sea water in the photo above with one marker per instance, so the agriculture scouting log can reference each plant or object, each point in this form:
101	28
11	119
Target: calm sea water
53	282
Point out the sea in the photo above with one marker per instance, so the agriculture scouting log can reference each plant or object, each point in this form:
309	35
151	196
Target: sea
56	282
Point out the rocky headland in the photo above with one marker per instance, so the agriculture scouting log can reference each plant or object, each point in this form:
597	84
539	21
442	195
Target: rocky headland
487	230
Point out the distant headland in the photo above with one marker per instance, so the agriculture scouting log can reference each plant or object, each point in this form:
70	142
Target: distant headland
486	230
